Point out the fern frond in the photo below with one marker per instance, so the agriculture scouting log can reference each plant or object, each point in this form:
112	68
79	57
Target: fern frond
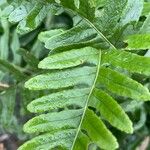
80	81
83	74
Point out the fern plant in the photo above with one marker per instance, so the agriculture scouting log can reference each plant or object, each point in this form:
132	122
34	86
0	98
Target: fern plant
89	66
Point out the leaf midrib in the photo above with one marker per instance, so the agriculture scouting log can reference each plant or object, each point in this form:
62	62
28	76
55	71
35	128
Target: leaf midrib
86	104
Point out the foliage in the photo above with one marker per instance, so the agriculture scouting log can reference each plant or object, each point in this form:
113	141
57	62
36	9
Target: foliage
91	76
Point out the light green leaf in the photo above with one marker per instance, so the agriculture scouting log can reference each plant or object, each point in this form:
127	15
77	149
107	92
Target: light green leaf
69	59
59	39
138	42
66	78
129	61
82	142
74	86
98	132
146	9
122	85
54	121
61	139
66	98
70	97
33	19
44	36
28	14
111	111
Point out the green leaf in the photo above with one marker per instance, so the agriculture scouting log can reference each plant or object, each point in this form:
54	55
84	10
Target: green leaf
83	10
44	36
69	59
77	79
98	132
58	100
116	116
146	9
111	13
59	39
122	85
128	61
61	139
138	42
81	77
50	122
66	78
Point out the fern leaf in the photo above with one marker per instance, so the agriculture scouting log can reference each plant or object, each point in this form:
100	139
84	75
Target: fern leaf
79	36
138	42
98	132
62	139
19	11
58	100
84	79
62	79
146	9
91	19
50	122
122	85
116	117
76	85
79	82
123	59
69	59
